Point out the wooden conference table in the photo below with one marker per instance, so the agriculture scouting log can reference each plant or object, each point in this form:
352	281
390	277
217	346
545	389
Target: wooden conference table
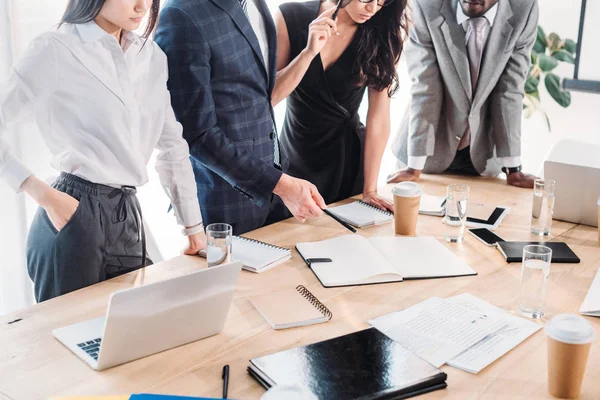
33	365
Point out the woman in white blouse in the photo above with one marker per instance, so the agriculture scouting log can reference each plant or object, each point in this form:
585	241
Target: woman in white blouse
98	93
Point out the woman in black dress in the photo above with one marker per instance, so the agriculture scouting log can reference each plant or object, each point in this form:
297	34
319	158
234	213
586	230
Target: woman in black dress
324	67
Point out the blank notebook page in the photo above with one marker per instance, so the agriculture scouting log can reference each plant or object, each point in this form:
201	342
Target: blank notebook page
355	261
420	257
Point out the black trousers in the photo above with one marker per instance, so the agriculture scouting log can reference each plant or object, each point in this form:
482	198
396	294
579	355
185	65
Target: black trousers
462	163
102	240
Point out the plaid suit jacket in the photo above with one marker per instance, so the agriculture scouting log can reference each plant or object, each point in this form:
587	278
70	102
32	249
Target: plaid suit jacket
221	94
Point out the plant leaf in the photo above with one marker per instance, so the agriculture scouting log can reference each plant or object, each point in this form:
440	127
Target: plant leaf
554	41
534	58
552	83
531	85
540	41
547	120
570	46
547	63
562	55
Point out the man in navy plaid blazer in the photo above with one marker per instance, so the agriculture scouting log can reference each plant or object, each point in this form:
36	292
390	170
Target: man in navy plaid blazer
222	69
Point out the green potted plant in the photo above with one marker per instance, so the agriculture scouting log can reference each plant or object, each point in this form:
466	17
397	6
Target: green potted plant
548	52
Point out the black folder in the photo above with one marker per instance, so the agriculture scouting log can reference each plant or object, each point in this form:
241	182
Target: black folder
362	365
561	252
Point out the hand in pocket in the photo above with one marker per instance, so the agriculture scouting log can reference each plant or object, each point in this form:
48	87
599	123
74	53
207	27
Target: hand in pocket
60	208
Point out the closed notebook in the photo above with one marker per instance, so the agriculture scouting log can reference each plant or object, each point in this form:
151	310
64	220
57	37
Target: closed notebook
561	252
361	214
256	256
291	308
432	205
355	260
361	365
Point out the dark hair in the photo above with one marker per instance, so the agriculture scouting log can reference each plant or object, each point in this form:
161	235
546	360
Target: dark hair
380	45
82	11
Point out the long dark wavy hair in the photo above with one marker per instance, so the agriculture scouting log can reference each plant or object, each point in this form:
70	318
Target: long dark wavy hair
380	45
82	11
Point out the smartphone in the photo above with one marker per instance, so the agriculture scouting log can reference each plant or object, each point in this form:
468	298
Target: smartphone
486	236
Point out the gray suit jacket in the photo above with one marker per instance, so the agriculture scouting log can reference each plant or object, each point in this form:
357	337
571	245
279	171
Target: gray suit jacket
442	104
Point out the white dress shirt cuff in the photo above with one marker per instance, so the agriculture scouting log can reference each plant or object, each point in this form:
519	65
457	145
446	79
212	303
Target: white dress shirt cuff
15	173
509	162
188	213
417	163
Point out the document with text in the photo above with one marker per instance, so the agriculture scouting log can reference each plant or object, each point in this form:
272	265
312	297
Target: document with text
438	330
495	345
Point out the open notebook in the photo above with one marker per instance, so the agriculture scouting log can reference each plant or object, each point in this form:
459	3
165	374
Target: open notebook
291	308
361	214
256	256
355	260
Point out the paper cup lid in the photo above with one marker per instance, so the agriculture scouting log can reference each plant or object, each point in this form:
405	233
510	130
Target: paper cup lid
571	329
407	189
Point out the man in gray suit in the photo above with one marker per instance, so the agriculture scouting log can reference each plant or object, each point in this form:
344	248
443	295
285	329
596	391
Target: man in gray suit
468	61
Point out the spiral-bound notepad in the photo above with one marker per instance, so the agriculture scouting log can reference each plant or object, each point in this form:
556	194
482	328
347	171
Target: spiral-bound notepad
361	214
257	256
291	308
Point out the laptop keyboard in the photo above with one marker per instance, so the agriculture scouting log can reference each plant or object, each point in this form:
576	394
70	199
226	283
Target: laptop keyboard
92	347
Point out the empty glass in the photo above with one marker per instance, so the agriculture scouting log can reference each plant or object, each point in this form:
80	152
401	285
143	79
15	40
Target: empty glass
543	207
534	280
457	201
218	244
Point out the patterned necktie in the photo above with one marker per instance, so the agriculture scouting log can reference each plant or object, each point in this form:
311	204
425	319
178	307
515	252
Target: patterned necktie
475	45
244	4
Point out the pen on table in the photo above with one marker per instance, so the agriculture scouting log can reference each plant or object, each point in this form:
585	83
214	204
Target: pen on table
346	225
225	380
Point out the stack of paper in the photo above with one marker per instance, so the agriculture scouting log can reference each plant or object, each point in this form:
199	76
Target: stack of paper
463	331
591	304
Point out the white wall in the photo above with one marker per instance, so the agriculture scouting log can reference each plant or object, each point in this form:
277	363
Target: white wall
20	21
582	119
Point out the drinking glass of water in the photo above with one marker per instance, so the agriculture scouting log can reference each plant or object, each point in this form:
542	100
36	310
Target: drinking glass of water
534	280
218	244
457	199
543	207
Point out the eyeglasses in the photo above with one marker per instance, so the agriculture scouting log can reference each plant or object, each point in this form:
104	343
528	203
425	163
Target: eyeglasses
380	3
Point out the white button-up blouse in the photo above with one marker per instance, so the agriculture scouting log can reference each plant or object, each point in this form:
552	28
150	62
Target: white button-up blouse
101	108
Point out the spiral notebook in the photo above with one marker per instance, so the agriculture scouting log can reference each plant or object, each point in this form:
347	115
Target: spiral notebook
291	308
256	256
361	214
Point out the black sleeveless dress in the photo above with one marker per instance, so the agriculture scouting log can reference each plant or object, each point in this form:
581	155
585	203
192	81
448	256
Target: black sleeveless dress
322	136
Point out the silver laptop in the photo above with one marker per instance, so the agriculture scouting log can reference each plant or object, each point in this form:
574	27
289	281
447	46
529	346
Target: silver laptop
149	319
